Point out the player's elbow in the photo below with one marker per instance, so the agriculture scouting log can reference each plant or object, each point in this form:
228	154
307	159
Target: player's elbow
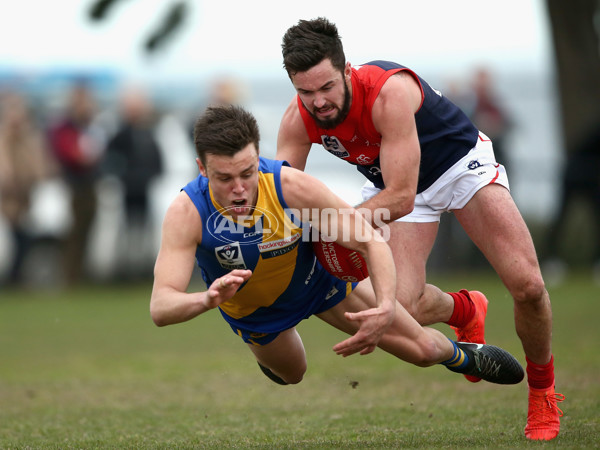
159	323
158	320
157	316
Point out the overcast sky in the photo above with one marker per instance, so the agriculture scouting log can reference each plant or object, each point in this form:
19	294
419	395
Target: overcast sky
244	37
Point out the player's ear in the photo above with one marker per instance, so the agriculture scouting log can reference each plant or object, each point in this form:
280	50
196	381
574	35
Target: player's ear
348	72
201	167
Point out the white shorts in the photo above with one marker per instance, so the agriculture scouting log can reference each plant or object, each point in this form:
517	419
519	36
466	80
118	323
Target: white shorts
456	186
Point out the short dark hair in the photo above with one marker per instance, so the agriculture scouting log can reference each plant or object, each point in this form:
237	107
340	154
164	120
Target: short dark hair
309	42
224	130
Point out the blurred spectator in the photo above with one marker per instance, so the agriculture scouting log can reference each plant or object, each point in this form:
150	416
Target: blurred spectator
24	162
488	114
580	181
78	144
460	94
134	157
479	100
224	90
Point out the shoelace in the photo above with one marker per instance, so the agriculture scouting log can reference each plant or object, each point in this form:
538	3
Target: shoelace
486	365
539	414
553	400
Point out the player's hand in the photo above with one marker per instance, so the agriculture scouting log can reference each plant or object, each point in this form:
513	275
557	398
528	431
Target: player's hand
225	287
373	324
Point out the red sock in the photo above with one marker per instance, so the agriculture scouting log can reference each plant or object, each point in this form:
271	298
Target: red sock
540	376
464	309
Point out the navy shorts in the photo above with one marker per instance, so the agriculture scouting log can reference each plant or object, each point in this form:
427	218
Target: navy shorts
257	338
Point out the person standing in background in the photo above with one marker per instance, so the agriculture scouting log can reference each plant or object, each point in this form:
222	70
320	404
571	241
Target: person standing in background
133	156
78	144
24	162
489	115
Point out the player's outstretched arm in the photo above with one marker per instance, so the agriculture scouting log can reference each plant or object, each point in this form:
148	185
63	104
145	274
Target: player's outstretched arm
170	302
337	219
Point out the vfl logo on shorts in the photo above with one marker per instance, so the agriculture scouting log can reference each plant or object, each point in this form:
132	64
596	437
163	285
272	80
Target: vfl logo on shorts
476	165
230	256
334	146
473	165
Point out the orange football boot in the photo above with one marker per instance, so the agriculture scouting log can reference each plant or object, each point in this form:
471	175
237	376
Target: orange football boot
474	331
543	417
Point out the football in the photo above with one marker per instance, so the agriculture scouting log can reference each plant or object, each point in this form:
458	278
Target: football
339	261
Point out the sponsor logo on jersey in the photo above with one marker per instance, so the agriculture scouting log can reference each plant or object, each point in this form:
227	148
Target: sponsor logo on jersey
280	246
333	145
364	159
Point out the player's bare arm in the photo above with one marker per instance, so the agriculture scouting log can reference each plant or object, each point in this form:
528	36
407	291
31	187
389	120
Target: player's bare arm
303	191
181	233
393	116
293	143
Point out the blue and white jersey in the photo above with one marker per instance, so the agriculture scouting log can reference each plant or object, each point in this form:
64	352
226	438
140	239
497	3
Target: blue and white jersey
287	284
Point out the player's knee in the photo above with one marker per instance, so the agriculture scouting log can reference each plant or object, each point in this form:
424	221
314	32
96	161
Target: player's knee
413	309
295	376
427	353
531	290
289	376
419	308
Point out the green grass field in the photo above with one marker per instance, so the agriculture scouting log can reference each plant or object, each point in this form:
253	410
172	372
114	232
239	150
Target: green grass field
87	368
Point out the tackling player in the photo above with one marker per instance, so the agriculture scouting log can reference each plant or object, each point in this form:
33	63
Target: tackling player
262	274
422	156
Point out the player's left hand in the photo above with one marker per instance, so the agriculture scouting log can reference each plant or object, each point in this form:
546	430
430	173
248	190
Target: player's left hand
222	289
373	324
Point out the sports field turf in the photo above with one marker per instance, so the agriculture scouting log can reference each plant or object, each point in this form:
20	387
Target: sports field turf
86	368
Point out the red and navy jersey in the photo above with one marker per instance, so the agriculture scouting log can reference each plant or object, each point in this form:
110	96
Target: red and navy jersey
445	133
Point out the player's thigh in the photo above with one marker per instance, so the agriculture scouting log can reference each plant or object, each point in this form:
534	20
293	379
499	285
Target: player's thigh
284	354
411	244
404	338
495	225
361	298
